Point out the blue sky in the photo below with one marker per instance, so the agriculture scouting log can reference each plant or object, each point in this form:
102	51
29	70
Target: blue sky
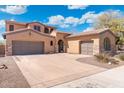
65	17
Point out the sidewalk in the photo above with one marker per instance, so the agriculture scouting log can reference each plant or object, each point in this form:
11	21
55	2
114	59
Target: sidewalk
113	78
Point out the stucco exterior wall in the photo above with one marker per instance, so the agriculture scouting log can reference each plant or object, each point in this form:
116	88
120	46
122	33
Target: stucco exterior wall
112	40
53	33
61	36
27	36
31	26
96	46
74	43
73	46
17	26
2	50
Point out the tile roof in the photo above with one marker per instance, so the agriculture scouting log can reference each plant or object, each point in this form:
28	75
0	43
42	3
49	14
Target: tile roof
62	32
30	23
93	32
26	29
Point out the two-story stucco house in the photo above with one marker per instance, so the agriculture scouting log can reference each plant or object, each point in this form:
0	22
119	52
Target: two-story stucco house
37	38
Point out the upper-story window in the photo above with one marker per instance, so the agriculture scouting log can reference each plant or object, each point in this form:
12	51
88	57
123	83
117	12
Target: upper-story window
51	30
11	27
46	30
37	28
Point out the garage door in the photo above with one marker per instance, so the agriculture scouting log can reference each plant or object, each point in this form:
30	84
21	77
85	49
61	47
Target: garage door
27	47
87	47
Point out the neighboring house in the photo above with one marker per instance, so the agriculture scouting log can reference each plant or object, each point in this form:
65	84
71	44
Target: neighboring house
37	38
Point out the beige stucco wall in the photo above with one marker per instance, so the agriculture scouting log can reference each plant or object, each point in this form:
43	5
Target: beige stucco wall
74	43
42	27
60	36
16	26
98	43
73	46
31	26
96	46
53	33
25	36
112	40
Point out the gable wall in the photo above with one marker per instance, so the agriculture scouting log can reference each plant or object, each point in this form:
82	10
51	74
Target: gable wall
74	43
16	26
27	36
37	24
112	40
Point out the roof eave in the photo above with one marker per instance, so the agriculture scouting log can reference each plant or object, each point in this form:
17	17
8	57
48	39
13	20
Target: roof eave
81	35
4	35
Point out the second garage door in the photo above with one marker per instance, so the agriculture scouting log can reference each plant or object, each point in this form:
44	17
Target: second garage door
87	47
27	47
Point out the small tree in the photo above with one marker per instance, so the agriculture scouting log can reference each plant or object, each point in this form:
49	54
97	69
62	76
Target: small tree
114	22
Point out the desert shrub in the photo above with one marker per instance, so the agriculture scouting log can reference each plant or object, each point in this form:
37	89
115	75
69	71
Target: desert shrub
113	61
102	57
107	58
121	57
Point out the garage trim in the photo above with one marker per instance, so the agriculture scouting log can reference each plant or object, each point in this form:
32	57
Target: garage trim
37	42
80	50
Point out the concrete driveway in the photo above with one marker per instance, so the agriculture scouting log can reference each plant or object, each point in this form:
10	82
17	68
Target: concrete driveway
52	69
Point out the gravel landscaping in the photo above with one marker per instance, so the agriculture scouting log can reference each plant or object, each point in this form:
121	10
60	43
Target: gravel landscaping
10	74
93	61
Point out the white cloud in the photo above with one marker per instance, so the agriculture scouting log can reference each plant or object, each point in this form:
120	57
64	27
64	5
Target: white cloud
55	20
71	7
15	9
2	24
12	19
62	22
64	25
72	21
88	29
89	17
65	22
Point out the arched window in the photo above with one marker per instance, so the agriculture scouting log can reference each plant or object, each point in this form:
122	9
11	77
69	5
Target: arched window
107	44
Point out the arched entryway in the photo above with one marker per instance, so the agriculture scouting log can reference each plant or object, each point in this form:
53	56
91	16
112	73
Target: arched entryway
107	44
60	46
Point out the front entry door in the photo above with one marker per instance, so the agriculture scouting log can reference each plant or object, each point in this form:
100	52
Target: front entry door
60	46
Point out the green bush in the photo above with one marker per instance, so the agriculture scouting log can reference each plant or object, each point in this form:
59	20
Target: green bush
121	57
